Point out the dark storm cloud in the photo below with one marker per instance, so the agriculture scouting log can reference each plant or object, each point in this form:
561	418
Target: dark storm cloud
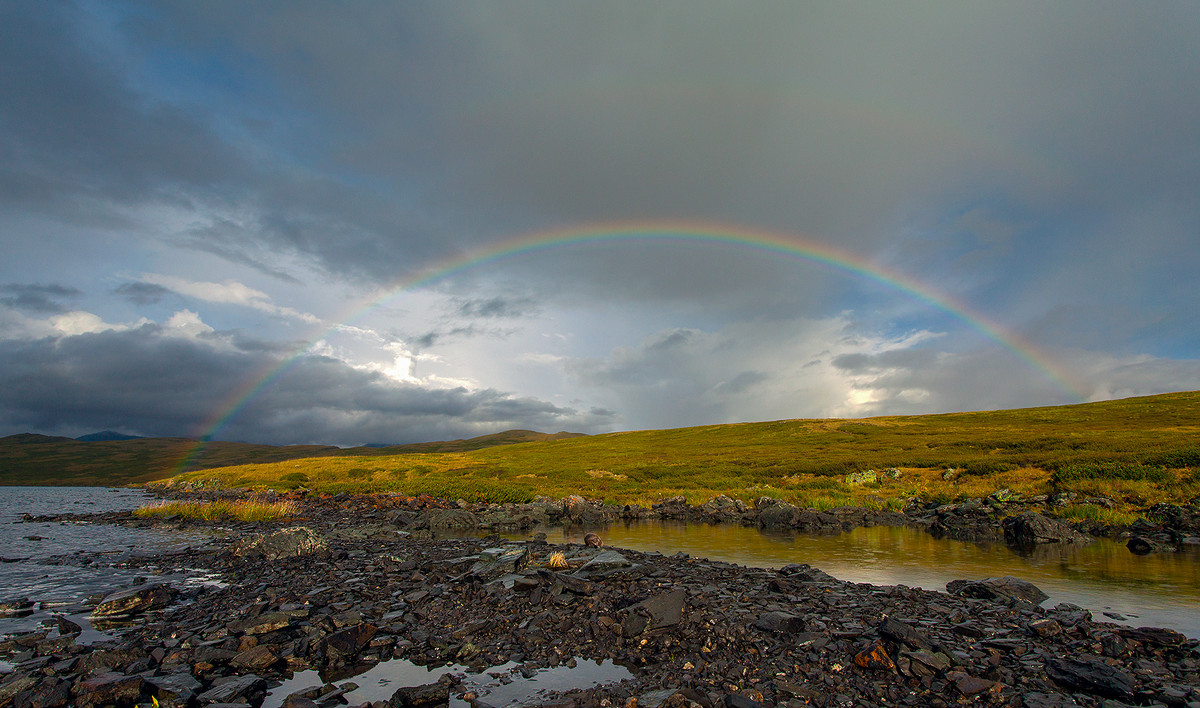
74	133
37	298
142	293
152	382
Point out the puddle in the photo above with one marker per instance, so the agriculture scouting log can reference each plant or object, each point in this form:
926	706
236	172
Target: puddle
499	686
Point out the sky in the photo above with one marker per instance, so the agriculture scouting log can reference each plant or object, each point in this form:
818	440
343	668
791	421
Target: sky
381	222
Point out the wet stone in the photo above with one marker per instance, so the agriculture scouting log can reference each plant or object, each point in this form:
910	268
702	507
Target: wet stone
430	694
134	601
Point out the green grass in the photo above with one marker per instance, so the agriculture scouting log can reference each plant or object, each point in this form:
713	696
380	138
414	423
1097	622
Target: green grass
1136	451
1094	512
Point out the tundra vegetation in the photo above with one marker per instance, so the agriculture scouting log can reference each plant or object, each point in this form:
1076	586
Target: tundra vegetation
1135	452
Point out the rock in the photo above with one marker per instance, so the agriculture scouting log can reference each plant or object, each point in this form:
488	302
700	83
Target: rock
256	658
495	562
1003	589
261	624
654	613
902	633
779	515
867	477
285	543
49	693
1032	528
1045	627
655	699
972	685
1143	546
780	622
108	688
875	657
66	626
803	572
174	690
1153	636
736	700
134	601
591	540
429	694
346	643
239	689
449	519
605	561
1090	675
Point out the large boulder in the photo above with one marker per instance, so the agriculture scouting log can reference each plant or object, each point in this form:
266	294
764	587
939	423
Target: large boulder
284	543
780	515
1032	528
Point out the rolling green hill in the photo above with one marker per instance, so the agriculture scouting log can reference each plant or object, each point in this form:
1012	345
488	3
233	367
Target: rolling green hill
1136	451
32	459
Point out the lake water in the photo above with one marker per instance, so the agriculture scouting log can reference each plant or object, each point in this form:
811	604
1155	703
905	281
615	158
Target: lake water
1161	590
43	560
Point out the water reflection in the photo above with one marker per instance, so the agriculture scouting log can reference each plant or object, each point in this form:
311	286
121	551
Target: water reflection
1154	590
503	685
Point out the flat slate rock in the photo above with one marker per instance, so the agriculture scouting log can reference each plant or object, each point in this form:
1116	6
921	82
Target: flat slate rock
1002	589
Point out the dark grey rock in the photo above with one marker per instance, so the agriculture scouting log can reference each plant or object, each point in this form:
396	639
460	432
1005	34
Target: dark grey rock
1091	676
249	688
1032	528
1002	589
430	694
780	622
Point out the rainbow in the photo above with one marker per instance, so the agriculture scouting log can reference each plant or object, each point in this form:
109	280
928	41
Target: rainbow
684	233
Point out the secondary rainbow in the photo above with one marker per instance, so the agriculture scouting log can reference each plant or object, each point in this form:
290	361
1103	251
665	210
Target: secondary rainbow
683	233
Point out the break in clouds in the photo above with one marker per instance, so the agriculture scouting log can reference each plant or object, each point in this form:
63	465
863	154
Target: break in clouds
190	192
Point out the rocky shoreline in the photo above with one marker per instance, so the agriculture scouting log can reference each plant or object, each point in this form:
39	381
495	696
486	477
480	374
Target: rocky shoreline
359	580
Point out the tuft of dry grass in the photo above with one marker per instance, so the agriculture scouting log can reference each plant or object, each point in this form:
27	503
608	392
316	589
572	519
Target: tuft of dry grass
556	560
218	510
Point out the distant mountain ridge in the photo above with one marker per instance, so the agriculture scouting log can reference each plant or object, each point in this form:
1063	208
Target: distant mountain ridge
106	435
112	459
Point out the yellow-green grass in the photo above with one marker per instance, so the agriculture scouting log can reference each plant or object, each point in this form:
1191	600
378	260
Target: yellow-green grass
221	510
1137	451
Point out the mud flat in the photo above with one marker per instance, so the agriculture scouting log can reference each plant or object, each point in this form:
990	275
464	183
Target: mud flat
349	586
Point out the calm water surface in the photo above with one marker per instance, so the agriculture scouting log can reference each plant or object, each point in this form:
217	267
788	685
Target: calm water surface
45	562
1161	590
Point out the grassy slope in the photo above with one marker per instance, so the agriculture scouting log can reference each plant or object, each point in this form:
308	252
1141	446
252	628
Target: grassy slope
1031	451
31	459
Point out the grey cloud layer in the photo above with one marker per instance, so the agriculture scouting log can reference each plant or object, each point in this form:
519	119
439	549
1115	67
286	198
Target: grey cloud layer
147	381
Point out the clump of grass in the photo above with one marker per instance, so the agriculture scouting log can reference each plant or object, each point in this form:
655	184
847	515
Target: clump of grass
1097	513
218	510
823	502
556	559
1125	471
